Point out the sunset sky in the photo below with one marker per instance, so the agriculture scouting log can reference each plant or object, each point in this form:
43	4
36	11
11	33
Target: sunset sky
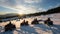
27	6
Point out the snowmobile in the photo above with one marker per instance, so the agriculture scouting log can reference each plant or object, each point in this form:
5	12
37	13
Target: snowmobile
35	21
10	27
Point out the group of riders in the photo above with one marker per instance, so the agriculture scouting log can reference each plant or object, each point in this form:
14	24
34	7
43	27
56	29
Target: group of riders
11	26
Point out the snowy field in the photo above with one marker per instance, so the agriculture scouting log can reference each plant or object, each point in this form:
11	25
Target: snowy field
34	29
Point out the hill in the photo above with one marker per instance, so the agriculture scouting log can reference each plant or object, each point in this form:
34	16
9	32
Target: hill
50	11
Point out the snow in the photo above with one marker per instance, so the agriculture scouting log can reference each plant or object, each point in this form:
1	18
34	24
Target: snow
34	29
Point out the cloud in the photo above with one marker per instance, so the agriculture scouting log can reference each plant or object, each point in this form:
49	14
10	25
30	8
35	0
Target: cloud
26	10
57	5
22	9
41	9
7	2
7	9
17	6
33	1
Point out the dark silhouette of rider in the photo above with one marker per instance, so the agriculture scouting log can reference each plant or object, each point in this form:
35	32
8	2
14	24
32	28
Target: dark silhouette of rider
48	22
35	21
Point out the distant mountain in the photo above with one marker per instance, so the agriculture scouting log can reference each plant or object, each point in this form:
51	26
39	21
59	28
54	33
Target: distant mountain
10	15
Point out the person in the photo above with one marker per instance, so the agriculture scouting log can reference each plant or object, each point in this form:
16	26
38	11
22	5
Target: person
26	23
23	23
48	22
10	27
35	21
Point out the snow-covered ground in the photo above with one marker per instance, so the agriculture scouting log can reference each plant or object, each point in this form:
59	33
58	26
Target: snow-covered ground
34	29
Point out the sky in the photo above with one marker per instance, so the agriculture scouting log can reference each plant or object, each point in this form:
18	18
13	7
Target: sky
27	6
